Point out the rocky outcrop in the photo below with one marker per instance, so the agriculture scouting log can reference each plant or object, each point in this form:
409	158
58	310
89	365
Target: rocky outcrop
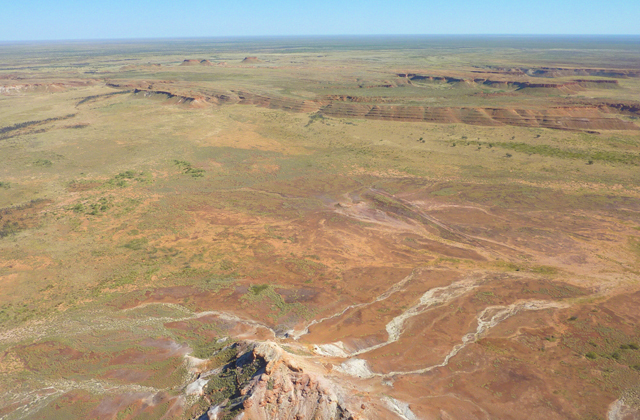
564	72
251	60
552	72
9	89
566	87
569	87
296	394
278	389
284	103
191	62
624	108
138	84
421	77
362	99
173	95
588	117
563	118
168	97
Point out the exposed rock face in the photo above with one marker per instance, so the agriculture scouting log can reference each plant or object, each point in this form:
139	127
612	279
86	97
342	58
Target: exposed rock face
9	89
249	60
296	394
287	104
551	72
563	72
570	118
282	390
190	101
413	76
141	84
588	117
351	98
203	62
625	108
164	91
565	87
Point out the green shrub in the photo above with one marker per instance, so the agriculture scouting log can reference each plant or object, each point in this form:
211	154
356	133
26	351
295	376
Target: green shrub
43	162
136	244
258	289
188	169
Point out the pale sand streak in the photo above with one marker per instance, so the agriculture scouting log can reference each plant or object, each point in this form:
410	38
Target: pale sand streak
394	289
488	318
431	298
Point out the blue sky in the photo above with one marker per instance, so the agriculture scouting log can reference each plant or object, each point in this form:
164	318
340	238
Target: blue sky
89	19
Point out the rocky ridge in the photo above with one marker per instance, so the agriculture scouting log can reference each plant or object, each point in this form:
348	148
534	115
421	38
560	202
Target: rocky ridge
552	72
583	117
565	87
273	384
17	88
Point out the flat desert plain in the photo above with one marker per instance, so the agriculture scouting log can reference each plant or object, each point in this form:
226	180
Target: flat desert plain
322	228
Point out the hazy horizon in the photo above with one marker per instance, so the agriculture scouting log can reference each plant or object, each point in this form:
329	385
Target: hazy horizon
582	36
35	20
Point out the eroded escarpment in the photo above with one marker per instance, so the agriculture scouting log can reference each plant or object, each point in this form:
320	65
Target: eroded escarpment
49	87
251	59
170	95
193	62
624	108
561	118
190	101
563	72
283	103
261	381
190	62
572	86
552	72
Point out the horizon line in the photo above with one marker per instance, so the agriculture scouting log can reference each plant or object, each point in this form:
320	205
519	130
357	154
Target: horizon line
290	36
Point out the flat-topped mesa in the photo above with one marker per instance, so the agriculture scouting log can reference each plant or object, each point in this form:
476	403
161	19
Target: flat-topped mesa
500	70
625	108
249	60
352	98
551	72
8	89
563	72
191	62
414	76
581	117
567	87
171	98
560	118
283	103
